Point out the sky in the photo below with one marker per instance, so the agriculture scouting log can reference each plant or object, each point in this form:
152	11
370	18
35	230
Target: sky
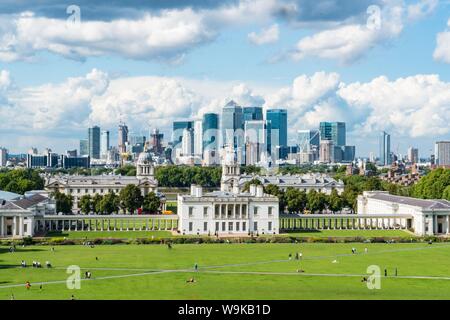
377	65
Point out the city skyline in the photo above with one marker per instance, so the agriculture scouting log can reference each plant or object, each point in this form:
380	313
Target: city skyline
261	53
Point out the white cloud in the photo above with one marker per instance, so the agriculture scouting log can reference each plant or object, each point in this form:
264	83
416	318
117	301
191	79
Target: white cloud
442	51
266	36
5	80
415	106
348	43
421	9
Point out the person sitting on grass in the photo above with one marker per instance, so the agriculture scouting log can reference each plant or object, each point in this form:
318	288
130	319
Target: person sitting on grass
300	271
364	279
23	264
28	285
191	280
48	264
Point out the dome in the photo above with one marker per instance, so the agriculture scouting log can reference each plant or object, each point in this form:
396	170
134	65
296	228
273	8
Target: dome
144	158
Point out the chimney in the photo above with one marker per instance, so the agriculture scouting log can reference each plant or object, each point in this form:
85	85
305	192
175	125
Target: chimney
199	191
253	189
193	189
259	191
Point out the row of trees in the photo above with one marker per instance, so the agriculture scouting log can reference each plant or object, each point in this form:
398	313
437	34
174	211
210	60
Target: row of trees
435	185
128	200
20	180
184	176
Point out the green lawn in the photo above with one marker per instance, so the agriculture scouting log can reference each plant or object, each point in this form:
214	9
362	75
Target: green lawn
350	233
230	271
109	234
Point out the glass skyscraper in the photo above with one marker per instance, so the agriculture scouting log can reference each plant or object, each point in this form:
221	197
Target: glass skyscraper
177	132
104	144
278	125
232	125
94	142
252	113
385	149
334	131
210	127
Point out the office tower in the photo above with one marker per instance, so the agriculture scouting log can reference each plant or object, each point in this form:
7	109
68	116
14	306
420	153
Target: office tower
334	131
210	127
84	148
94	142
256	132
198	137
348	153
122	138
442	153
413	155
326	151
252	113
232	125
385	149
187	142
104	144
156	141
3	157
278	135
308	140
177	132
136	143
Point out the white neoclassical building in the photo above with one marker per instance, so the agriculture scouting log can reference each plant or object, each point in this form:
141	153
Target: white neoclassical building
18	216
78	186
228	212
425	217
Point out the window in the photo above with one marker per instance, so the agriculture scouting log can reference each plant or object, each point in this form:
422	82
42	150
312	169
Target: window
255	211
244	226
70	190
101	190
255	226
270	211
191	212
230	226
86	191
205	212
223	226
190	226
205	226
78	190
217	226
237	226
25	228
269	227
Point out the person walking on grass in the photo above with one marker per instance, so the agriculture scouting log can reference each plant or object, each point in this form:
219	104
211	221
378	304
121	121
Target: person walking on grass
196	267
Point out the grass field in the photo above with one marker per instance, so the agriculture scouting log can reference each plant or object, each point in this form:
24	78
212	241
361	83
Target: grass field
230	271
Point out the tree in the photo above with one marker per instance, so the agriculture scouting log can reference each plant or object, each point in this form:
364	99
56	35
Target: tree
446	193
96	199
317	201
151	203
131	198
64	202
275	191
109	203
295	200
86	204
335	202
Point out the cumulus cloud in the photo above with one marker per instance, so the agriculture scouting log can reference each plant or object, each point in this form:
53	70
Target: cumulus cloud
442	51
415	106
348	43
421	9
266	36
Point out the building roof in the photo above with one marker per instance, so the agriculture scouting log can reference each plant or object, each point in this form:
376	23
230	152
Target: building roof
298	180
6	195
428	204
106	180
23	203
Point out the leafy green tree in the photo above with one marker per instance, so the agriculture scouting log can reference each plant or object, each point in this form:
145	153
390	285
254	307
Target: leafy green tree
247	185
85	204
96	199
335	202
64	202
446	193
295	200
109	203
316	201
151	203
275	191
432	186
131	198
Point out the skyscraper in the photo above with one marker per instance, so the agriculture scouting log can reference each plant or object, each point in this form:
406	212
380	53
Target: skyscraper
123	138
278	123
385	149
252	113
187	142
104	144
210	127
94	142
177	132
156	141
256	138
308	140
3	156
327	151
232	125
413	155
334	131
84	147
442	153
198	137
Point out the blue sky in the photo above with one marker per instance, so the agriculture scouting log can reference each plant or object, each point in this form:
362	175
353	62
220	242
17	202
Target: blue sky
150	64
